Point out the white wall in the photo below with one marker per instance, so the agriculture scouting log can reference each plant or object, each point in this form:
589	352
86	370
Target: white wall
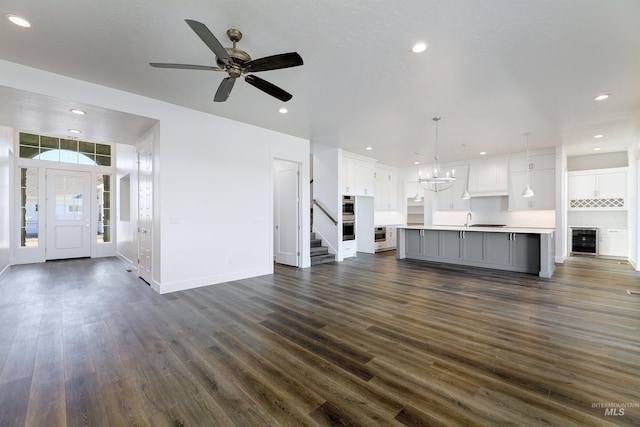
617	159
634	203
213	209
562	227
126	231
326	172
6	147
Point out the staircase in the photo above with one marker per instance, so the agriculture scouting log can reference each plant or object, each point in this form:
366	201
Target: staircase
320	254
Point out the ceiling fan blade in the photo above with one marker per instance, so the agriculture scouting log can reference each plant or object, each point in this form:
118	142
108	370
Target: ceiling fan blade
184	66
275	62
209	39
224	90
269	88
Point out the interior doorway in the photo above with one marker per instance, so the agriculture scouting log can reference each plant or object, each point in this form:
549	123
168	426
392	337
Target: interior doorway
287	212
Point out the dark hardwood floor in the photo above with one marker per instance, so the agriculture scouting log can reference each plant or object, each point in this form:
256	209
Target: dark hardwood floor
369	341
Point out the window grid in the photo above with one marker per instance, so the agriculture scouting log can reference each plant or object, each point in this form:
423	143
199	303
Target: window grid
64	150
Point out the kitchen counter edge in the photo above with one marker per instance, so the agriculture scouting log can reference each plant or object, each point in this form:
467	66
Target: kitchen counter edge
532	230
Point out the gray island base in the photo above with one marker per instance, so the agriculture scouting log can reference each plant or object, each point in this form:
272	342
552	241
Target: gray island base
525	250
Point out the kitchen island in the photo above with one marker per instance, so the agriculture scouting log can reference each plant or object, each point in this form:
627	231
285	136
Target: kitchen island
526	250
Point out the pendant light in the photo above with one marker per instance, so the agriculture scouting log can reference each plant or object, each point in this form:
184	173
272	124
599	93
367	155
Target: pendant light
418	197
436	182
528	192
465	194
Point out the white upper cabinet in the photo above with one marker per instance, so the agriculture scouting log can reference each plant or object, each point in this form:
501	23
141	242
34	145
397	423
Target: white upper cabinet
601	189
520	163
385	188
413	188
543	182
489	177
357	175
449	200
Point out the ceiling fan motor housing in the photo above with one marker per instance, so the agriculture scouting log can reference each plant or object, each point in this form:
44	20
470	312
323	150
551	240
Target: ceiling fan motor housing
239	56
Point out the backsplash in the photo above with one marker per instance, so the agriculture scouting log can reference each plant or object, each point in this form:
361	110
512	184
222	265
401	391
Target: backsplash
615	219
494	210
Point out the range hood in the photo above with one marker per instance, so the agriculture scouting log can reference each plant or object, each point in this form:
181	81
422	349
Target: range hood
489	177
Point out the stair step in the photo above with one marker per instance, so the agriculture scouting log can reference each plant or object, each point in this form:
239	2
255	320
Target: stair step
313	235
316	242
322	259
319	250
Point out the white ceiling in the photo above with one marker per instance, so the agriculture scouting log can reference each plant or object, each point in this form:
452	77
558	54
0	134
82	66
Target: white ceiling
494	69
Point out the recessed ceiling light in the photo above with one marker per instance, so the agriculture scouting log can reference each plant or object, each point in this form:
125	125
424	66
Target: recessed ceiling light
369	148
597	149
18	20
482	153
598	136
419	47
74	131
78	112
601	97
283	110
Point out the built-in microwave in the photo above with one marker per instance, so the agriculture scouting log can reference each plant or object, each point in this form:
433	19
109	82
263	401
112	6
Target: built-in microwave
348	208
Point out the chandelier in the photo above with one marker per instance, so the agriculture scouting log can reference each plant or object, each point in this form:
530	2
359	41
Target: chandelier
439	181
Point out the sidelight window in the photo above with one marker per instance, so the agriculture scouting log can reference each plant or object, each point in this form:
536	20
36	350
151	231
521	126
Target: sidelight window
29	207
104	208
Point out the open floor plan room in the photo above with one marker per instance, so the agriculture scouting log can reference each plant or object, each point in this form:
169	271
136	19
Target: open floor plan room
369	341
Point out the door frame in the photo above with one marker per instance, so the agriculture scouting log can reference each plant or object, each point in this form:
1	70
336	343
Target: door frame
297	229
146	149
50	209
29	255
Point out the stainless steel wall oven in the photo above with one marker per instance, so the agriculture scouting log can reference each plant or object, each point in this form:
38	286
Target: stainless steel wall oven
380	234
348	230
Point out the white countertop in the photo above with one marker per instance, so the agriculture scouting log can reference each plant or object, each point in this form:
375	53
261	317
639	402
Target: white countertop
532	230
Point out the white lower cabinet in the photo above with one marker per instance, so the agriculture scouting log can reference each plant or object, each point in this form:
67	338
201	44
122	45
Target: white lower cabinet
348	248
391	238
613	242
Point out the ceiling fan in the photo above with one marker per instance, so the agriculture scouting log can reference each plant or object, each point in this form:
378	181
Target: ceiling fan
236	63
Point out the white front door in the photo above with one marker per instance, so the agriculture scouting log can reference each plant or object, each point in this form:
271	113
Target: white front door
286	213
68	204
145	214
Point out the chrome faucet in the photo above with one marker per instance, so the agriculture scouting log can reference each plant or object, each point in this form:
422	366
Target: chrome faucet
469	218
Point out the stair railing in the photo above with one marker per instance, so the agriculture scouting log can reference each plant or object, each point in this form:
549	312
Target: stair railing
324	210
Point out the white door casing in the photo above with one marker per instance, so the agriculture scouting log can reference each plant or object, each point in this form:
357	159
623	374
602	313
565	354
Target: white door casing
287	213
145	214
68	213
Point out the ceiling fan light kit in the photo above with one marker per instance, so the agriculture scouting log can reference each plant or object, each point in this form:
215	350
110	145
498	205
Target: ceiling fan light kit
237	63
437	182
